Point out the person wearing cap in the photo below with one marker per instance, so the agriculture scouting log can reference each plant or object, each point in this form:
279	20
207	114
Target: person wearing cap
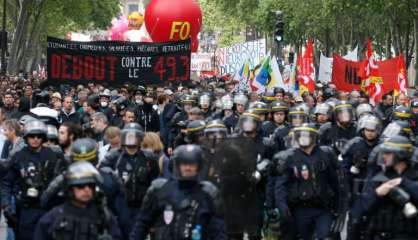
30	171
105	103
308	188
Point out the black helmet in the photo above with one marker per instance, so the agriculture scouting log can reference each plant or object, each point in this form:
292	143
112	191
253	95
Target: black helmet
121	103
400	146
82	173
329	93
249	121
305	135
140	90
93	101
277	90
369	122
259	108
215	129
84	149
297	113
402	113
195	129
414	103
188	99
131	137
269	97
51	133
187	154
343	112
35	127
279	106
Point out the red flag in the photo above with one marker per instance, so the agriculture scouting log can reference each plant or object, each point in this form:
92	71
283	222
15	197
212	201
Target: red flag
372	82
401	83
345	73
306	70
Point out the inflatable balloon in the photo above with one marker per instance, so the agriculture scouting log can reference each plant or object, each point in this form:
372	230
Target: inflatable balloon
118	29
136	20
173	20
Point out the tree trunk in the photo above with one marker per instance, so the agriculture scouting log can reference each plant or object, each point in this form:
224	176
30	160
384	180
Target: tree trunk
416	49
388	46
19	37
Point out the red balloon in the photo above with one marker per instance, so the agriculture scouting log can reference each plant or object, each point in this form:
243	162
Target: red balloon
195	44
173	20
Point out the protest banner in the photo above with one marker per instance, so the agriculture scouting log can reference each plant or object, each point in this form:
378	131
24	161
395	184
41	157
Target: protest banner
230	59
201	62
114	62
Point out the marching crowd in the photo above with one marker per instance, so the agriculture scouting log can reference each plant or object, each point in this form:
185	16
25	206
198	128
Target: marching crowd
203	161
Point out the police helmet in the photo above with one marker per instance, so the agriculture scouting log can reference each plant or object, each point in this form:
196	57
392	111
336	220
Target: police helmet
400	146
194	130
259	108
249	121
398	127
204	101
402	113
297	116
369	122
188	99
279	106
121	103
215	129
35	127
84	149
133	125
305	135
51	133
187	154
93	101
241	99
82	173
131	137
343	112
105	93
324	109
363	108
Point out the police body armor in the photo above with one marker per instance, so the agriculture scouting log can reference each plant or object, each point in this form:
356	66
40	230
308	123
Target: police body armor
388	221
80	224
136	172
35	174
310	186
336	136
183	215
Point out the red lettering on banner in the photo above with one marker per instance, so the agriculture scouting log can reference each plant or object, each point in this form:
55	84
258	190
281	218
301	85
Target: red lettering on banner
112	67
100	69
65	74
77	68
88	68
55	66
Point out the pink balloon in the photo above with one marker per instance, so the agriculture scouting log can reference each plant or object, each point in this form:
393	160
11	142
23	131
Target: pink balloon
118	29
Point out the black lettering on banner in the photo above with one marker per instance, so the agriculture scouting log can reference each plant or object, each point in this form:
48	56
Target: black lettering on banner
115	62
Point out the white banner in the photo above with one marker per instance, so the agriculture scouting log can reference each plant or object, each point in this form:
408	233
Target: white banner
325	65
201	62
230	59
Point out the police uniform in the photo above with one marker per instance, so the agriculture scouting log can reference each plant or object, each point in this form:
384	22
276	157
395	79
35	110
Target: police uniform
182	207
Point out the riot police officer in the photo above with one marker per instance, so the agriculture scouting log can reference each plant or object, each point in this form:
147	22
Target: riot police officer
136	168
337	134
279	110
187	102
31	170
85	149
240	101
84	215
182	207
323	114
194	132
205	105
390	198
309	187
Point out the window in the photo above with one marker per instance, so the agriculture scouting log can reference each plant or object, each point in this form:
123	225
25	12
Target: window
133	8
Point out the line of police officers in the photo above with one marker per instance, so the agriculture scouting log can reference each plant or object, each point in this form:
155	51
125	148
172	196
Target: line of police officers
305	169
